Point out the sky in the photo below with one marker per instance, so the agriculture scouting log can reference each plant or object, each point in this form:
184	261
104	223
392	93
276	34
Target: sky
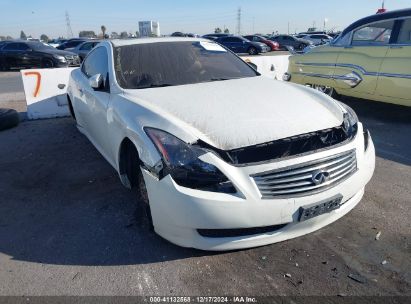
36	17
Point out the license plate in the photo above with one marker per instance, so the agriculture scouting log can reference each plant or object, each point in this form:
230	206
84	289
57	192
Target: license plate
308	212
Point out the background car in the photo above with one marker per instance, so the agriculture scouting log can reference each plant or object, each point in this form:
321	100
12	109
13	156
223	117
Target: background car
215	36
84	48
371	59
290	41
257	38
72	43
32	54
56	42
240	45
318	38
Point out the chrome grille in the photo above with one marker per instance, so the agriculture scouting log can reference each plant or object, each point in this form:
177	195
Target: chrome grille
299	179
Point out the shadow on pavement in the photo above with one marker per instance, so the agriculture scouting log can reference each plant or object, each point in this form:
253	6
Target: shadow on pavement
62	203
389	125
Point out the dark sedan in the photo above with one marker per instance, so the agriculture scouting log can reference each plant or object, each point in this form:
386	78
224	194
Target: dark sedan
289	41
240	45
84	48
72	43
32	54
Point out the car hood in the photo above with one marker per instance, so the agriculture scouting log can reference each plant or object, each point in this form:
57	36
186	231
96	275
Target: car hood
242	112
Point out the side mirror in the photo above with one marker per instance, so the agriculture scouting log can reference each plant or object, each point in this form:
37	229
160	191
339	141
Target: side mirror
253	65
96	81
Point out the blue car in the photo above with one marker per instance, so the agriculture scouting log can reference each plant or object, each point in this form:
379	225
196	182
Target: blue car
240	45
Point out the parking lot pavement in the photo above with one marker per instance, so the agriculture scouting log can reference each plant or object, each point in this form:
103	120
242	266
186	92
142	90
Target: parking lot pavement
67	227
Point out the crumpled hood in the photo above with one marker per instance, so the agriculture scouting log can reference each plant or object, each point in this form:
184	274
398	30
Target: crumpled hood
242	112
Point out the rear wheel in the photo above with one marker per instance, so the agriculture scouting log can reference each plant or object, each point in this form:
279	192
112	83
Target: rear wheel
252	51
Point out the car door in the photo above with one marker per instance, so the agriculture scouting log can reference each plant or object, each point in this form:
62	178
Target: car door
395	74
362	59
12	54
96	101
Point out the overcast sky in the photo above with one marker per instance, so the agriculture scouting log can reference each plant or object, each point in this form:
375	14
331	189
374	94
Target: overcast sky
36	17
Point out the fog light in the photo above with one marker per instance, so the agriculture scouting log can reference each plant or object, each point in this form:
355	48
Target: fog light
286	77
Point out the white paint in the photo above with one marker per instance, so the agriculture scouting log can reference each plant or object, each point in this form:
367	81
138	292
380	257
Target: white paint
212	46
270	66
50	100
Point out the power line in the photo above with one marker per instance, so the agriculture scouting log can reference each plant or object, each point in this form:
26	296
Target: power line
69	30
239	21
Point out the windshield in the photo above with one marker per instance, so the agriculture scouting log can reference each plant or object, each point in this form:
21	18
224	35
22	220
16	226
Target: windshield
160	64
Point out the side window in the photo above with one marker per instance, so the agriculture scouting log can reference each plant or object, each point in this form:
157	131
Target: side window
405	32
97	63
256	39
11	47
86	46
378	33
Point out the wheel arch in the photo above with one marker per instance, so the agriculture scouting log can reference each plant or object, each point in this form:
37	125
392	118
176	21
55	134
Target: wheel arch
127	152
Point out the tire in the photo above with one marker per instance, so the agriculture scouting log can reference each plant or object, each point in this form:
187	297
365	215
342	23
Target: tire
302	46
138	186
47	64
73	115
8	119
252	51
326	90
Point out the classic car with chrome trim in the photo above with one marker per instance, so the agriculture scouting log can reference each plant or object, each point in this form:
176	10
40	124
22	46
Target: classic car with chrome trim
215	167
371	59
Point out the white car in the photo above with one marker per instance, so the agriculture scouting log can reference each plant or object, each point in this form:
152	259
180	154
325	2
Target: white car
223	158
318	38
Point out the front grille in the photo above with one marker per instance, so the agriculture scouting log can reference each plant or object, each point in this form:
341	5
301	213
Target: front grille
299	179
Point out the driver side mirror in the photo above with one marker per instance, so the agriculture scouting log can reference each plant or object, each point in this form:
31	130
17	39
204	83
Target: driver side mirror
96	81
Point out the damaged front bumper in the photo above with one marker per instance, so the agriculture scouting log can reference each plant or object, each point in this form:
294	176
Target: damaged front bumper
221	221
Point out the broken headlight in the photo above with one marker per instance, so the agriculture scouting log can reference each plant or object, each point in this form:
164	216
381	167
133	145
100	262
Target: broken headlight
350	124
181	161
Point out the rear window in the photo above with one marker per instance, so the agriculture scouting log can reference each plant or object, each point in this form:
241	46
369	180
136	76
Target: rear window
159	64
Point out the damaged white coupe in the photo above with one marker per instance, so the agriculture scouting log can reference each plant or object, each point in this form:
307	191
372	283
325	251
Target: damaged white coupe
223	158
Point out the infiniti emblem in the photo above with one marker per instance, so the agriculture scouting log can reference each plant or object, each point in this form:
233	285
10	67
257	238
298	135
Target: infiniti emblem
319	177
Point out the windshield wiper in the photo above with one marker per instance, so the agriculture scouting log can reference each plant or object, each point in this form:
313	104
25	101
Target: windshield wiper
155	85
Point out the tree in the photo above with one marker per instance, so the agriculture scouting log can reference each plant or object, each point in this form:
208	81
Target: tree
123	35
87	34
217	30
103	29
226	31
114	35
23	35
138	34
9	38
44	38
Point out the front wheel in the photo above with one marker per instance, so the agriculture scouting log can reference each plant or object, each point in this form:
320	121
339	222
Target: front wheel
252	51
47	64
330	91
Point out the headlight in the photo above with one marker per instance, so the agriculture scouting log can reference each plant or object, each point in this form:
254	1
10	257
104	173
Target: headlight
350	120
182	162
60	58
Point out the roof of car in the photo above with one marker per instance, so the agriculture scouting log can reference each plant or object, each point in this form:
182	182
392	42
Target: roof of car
123	42
379	17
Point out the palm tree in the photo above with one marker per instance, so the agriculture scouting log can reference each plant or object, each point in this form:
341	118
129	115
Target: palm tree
103	29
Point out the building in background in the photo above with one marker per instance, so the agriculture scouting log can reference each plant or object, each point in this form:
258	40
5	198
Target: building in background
149	28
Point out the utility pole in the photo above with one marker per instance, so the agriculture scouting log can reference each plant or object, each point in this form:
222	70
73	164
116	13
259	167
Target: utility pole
69	30
239	21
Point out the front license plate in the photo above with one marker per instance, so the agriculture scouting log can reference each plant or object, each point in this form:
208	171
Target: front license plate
308	212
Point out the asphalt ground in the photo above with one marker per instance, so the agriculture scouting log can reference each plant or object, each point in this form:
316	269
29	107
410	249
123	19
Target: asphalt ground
68	227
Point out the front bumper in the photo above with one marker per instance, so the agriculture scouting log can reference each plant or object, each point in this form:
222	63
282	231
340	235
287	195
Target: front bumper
179	212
